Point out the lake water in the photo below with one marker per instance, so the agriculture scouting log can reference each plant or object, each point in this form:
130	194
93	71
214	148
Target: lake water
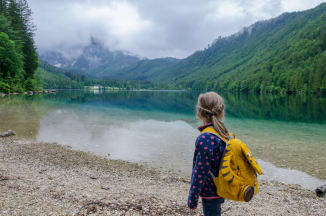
286	133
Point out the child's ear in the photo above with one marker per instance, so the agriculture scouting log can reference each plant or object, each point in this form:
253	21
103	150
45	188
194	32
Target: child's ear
199	116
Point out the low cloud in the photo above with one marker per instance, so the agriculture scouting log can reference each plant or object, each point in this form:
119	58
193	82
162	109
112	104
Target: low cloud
149	28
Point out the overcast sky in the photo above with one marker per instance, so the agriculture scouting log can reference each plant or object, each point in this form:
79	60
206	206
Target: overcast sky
149	28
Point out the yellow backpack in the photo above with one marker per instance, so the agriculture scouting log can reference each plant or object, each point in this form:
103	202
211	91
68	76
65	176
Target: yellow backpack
237	179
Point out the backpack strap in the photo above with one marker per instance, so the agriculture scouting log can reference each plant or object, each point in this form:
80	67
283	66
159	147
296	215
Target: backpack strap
213	131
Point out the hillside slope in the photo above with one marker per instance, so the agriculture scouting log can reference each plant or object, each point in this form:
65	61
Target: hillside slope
148	69
51	77
284	54
287	53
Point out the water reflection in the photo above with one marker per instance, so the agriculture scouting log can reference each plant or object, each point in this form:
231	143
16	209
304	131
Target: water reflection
288	131
301	108
21	114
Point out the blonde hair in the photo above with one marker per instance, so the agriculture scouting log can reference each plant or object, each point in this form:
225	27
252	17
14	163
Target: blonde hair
210	108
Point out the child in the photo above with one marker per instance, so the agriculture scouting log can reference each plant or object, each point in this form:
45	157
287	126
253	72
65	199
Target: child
208	154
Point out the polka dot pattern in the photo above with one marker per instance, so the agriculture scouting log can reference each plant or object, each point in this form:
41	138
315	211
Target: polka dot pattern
207	156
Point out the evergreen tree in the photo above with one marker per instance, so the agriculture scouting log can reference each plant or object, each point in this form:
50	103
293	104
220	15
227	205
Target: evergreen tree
11	65
5	27
29	49
3	7
19	60
21	20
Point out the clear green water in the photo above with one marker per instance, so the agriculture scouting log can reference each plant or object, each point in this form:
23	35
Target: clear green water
159	127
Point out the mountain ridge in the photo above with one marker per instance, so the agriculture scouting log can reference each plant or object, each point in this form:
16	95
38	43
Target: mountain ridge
282	54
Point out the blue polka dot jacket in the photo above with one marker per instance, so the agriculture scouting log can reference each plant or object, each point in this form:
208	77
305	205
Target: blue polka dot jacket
207	157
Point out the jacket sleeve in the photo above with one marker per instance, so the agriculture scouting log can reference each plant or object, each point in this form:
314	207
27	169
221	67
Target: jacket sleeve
200	171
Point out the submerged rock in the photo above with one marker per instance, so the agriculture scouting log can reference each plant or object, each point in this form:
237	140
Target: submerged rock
2	95
8	134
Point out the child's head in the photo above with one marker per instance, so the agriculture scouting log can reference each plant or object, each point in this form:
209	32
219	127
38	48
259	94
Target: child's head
210	109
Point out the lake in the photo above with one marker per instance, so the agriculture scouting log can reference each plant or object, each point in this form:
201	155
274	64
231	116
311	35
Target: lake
158	128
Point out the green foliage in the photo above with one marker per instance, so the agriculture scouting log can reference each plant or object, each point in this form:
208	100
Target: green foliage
51	77
282	55
3	6
286	54
54	78
30	84
4	87
18	56
146	70
11	64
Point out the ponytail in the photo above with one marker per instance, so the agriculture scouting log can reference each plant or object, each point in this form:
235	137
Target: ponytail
219	126
210	107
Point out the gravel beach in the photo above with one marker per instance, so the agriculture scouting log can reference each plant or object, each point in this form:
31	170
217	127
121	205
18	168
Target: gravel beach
50	179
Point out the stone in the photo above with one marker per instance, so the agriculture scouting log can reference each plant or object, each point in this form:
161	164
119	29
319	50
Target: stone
8	134
321	191
105	188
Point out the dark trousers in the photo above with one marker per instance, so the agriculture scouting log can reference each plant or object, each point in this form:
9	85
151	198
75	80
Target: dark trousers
212	207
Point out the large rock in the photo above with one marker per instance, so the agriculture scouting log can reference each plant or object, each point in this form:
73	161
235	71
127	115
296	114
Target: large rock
8	134
321	191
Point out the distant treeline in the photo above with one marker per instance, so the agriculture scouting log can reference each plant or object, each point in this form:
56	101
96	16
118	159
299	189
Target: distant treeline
55	78
18	56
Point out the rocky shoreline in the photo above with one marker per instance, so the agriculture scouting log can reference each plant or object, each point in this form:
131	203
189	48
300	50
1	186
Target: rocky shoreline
50	91
49	179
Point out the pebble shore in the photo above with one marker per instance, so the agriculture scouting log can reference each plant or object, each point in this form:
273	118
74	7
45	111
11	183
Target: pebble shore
50	91
50	179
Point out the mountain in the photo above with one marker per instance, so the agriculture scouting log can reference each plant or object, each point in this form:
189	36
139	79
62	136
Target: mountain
148	69
95	61
51	77
56	59
98	61
284	54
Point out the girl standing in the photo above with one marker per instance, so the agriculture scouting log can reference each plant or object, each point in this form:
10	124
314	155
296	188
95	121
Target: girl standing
208	154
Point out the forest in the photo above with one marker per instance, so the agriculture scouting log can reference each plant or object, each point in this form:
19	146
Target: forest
50	77
286	54
18	55
283	55
20	68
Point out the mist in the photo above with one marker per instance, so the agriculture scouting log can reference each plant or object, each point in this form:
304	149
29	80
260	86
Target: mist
149	29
